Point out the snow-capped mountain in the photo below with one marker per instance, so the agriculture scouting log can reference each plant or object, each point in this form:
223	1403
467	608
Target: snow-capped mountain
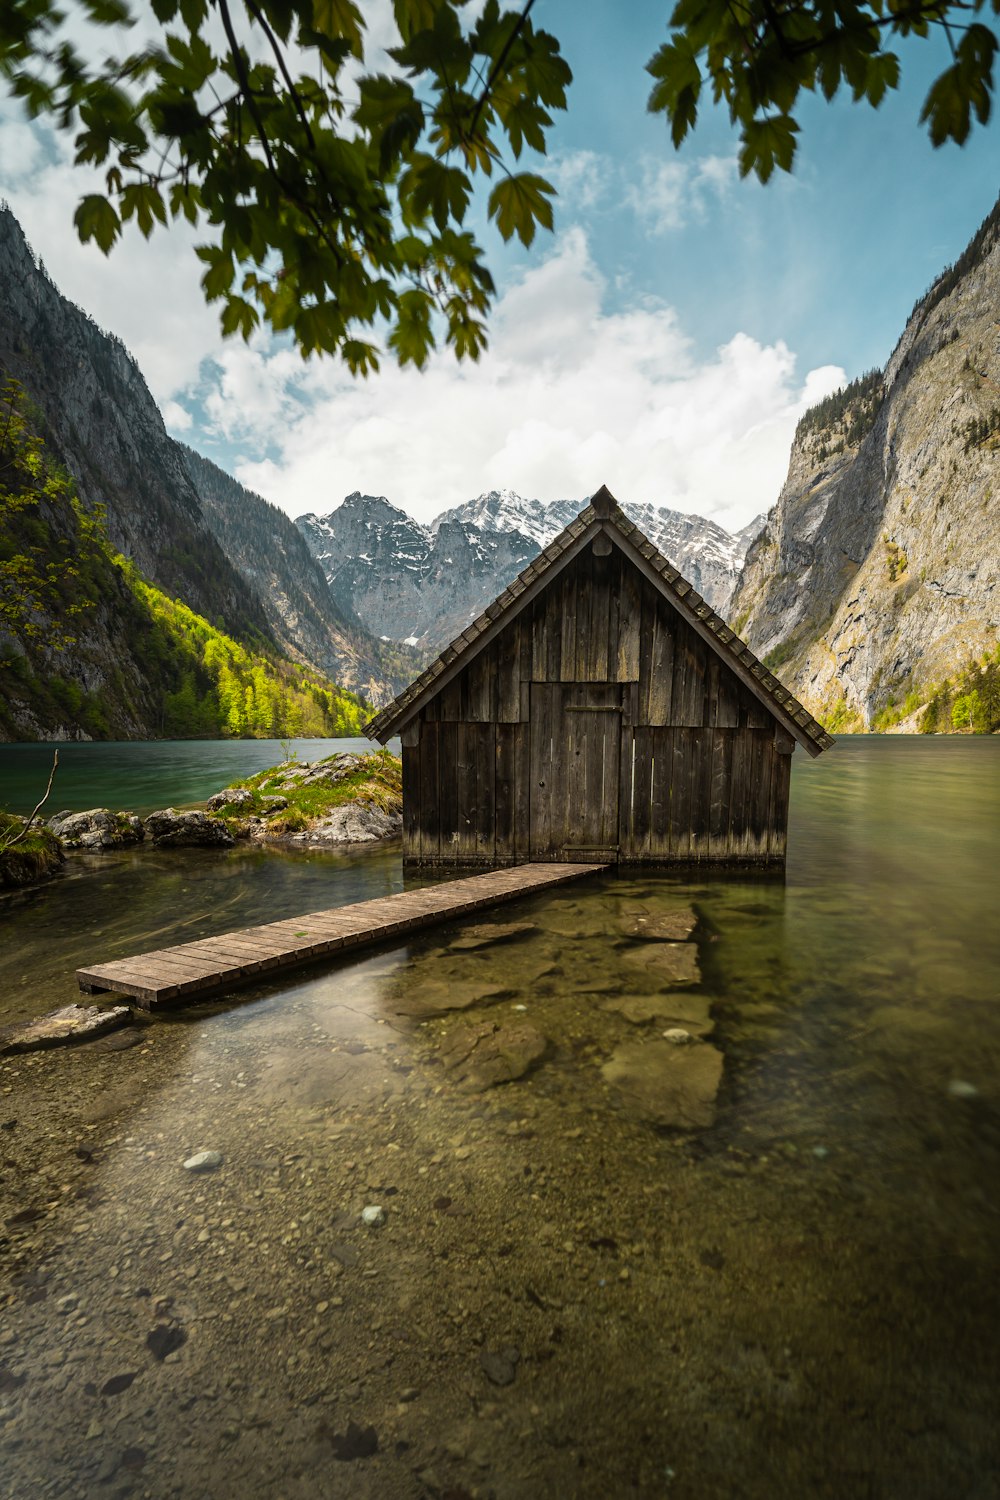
423	584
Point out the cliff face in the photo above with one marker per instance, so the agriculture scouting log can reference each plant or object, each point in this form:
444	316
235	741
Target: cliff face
404	581
876	575
271	554
99	418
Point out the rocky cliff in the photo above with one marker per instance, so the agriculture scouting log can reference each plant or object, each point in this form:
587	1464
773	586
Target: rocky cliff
875	578
98	417
271	554
423	584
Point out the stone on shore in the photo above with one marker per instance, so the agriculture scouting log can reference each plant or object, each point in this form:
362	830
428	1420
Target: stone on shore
72	1023
100	828
230	796
187	829
353	823
667	1084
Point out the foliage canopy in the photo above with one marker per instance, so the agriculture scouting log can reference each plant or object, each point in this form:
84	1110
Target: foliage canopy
332	199
332	188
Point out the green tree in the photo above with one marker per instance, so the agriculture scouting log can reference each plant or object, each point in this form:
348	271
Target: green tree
332	199
966	711
758	56
45	536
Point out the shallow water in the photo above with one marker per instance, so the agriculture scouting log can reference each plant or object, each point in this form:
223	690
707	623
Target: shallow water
799	1300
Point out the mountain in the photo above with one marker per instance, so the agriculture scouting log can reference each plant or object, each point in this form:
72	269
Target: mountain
873	587
423	584
405	581
96	414
121	616
271	554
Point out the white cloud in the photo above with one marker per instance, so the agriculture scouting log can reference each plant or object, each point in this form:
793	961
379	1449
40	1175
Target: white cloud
572	393
581	178
668	194
569	397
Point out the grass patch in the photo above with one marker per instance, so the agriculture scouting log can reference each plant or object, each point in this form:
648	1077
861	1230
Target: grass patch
33	857
312	791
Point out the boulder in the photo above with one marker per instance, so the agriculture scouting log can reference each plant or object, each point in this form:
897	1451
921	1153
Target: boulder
667	1084
231	796
186	829
72	1023
354	823
100	828
271	805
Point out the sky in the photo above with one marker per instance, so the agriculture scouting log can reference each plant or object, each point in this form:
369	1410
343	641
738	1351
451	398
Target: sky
664	340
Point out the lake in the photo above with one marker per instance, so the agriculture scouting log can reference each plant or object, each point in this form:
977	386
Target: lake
143	776
801	1299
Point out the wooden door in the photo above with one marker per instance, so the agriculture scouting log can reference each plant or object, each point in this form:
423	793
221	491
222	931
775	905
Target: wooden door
575	747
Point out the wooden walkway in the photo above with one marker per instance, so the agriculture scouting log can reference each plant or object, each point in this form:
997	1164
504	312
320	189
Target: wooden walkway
236	958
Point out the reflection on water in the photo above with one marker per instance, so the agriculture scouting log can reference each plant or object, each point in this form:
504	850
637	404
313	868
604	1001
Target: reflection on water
562	1301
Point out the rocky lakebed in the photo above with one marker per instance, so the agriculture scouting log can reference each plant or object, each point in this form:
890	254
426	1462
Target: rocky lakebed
652	1185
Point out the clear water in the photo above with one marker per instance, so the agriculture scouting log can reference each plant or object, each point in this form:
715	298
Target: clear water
801	1300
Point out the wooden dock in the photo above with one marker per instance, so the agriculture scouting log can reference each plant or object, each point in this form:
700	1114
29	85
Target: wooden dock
217	964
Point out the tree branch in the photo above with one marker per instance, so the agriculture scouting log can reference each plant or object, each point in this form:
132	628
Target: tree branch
9	843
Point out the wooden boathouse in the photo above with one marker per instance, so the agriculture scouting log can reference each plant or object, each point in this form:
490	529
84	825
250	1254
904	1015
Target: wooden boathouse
598	711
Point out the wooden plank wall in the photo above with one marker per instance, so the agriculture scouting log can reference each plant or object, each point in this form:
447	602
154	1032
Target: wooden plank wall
703	770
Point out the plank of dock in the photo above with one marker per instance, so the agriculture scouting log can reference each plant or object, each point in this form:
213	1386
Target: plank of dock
214	965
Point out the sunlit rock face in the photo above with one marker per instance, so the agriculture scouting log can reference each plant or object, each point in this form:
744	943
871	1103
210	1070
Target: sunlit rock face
875	577
424	584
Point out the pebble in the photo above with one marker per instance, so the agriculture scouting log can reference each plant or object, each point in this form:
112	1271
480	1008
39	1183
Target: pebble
678	1036
69	1303
958	1088
499	1365
203	1161
373	1215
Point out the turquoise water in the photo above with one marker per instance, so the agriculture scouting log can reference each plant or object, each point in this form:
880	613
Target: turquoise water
143	776
799	1300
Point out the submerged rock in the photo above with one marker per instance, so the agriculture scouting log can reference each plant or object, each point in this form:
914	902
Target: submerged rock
203	1161
438	996
482	934
670	926
187	829
489	1053
665	963
676	1007
100	828
73	1023
666	1084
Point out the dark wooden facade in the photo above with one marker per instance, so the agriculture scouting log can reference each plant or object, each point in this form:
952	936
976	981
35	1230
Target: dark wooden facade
593	719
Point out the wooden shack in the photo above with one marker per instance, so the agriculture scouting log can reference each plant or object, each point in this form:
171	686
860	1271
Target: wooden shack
599	710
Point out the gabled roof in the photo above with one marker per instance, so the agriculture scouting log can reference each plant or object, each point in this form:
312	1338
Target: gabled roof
603	513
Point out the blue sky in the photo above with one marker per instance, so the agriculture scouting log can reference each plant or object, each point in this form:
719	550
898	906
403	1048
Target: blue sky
664	340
